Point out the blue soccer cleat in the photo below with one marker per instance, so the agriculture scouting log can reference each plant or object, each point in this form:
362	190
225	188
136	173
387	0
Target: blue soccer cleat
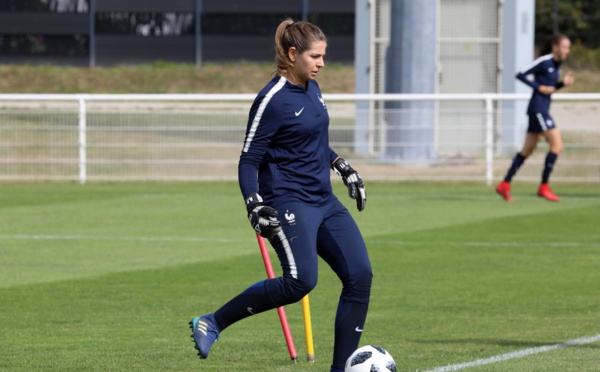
204	333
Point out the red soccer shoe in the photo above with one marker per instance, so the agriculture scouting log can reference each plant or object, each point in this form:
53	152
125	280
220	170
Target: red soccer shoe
545	192
503	189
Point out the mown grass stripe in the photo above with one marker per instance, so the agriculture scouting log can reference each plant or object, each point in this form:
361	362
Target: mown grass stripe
122	238
235	240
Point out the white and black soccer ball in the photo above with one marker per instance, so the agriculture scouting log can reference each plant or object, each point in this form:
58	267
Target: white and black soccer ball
370	358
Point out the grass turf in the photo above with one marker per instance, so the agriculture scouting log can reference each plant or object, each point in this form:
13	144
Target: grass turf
106	277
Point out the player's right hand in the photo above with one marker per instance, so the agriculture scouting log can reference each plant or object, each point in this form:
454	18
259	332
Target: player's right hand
263	218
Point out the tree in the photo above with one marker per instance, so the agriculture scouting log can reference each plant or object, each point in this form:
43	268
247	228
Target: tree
578	19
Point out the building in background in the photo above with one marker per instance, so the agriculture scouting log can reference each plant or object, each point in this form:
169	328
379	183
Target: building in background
397	46
110	32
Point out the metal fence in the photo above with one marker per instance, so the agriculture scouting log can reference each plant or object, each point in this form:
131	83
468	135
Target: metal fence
197	137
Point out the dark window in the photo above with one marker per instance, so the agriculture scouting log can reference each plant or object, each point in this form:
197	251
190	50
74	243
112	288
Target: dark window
266	24
44	45
242	24
338	24
146	24
52	6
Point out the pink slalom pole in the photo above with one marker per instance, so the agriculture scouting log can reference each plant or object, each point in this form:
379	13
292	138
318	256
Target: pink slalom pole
280	310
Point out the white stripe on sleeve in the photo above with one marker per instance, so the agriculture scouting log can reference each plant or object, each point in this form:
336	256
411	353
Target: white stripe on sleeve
276	88
536	62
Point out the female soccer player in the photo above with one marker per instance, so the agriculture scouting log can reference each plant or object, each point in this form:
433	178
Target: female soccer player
545	71
284	176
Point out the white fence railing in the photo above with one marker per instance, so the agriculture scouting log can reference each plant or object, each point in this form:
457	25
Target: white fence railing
164	137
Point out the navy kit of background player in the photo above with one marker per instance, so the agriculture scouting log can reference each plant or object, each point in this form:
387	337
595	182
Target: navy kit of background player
546	73
284	175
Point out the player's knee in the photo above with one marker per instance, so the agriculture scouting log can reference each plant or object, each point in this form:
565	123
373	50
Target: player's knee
557	148
363	284
296	289
358	287
365	277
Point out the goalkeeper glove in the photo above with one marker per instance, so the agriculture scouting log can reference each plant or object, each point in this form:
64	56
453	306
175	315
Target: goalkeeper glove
356	187
263	219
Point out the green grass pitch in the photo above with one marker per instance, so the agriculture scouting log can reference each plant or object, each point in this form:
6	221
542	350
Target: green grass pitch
106	277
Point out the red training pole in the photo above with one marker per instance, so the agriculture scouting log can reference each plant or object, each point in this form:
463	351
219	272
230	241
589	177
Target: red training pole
280	310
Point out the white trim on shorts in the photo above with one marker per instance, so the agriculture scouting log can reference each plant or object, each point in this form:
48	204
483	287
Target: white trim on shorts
542	121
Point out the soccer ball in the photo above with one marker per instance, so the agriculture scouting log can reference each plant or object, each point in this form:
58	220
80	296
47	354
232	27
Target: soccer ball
370	358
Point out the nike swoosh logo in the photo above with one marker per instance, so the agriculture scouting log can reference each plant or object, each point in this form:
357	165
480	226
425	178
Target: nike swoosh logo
299	112
358	329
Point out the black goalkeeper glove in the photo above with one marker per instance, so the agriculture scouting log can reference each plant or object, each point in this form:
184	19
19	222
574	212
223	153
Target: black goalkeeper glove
262	218
356	187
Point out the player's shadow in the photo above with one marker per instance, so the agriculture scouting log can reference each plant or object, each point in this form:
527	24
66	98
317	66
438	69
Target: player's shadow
499	342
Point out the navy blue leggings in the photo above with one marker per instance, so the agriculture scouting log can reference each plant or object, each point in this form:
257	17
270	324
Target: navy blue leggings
328	231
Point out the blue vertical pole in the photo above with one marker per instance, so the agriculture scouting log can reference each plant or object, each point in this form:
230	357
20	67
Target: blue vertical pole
198	32
92	33
411	68
362	68
305	10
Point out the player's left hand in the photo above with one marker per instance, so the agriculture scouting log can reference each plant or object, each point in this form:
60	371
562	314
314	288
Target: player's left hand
569	79
352	180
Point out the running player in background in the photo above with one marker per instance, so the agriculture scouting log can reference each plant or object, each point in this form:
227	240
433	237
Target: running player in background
284	176
546	72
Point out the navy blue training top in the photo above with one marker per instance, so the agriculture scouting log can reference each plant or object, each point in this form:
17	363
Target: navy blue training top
545	71
286	154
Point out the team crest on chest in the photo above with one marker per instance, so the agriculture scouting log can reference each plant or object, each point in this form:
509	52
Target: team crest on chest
322	101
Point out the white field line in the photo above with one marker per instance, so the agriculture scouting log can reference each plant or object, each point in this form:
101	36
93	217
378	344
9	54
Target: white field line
238	240
517	354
